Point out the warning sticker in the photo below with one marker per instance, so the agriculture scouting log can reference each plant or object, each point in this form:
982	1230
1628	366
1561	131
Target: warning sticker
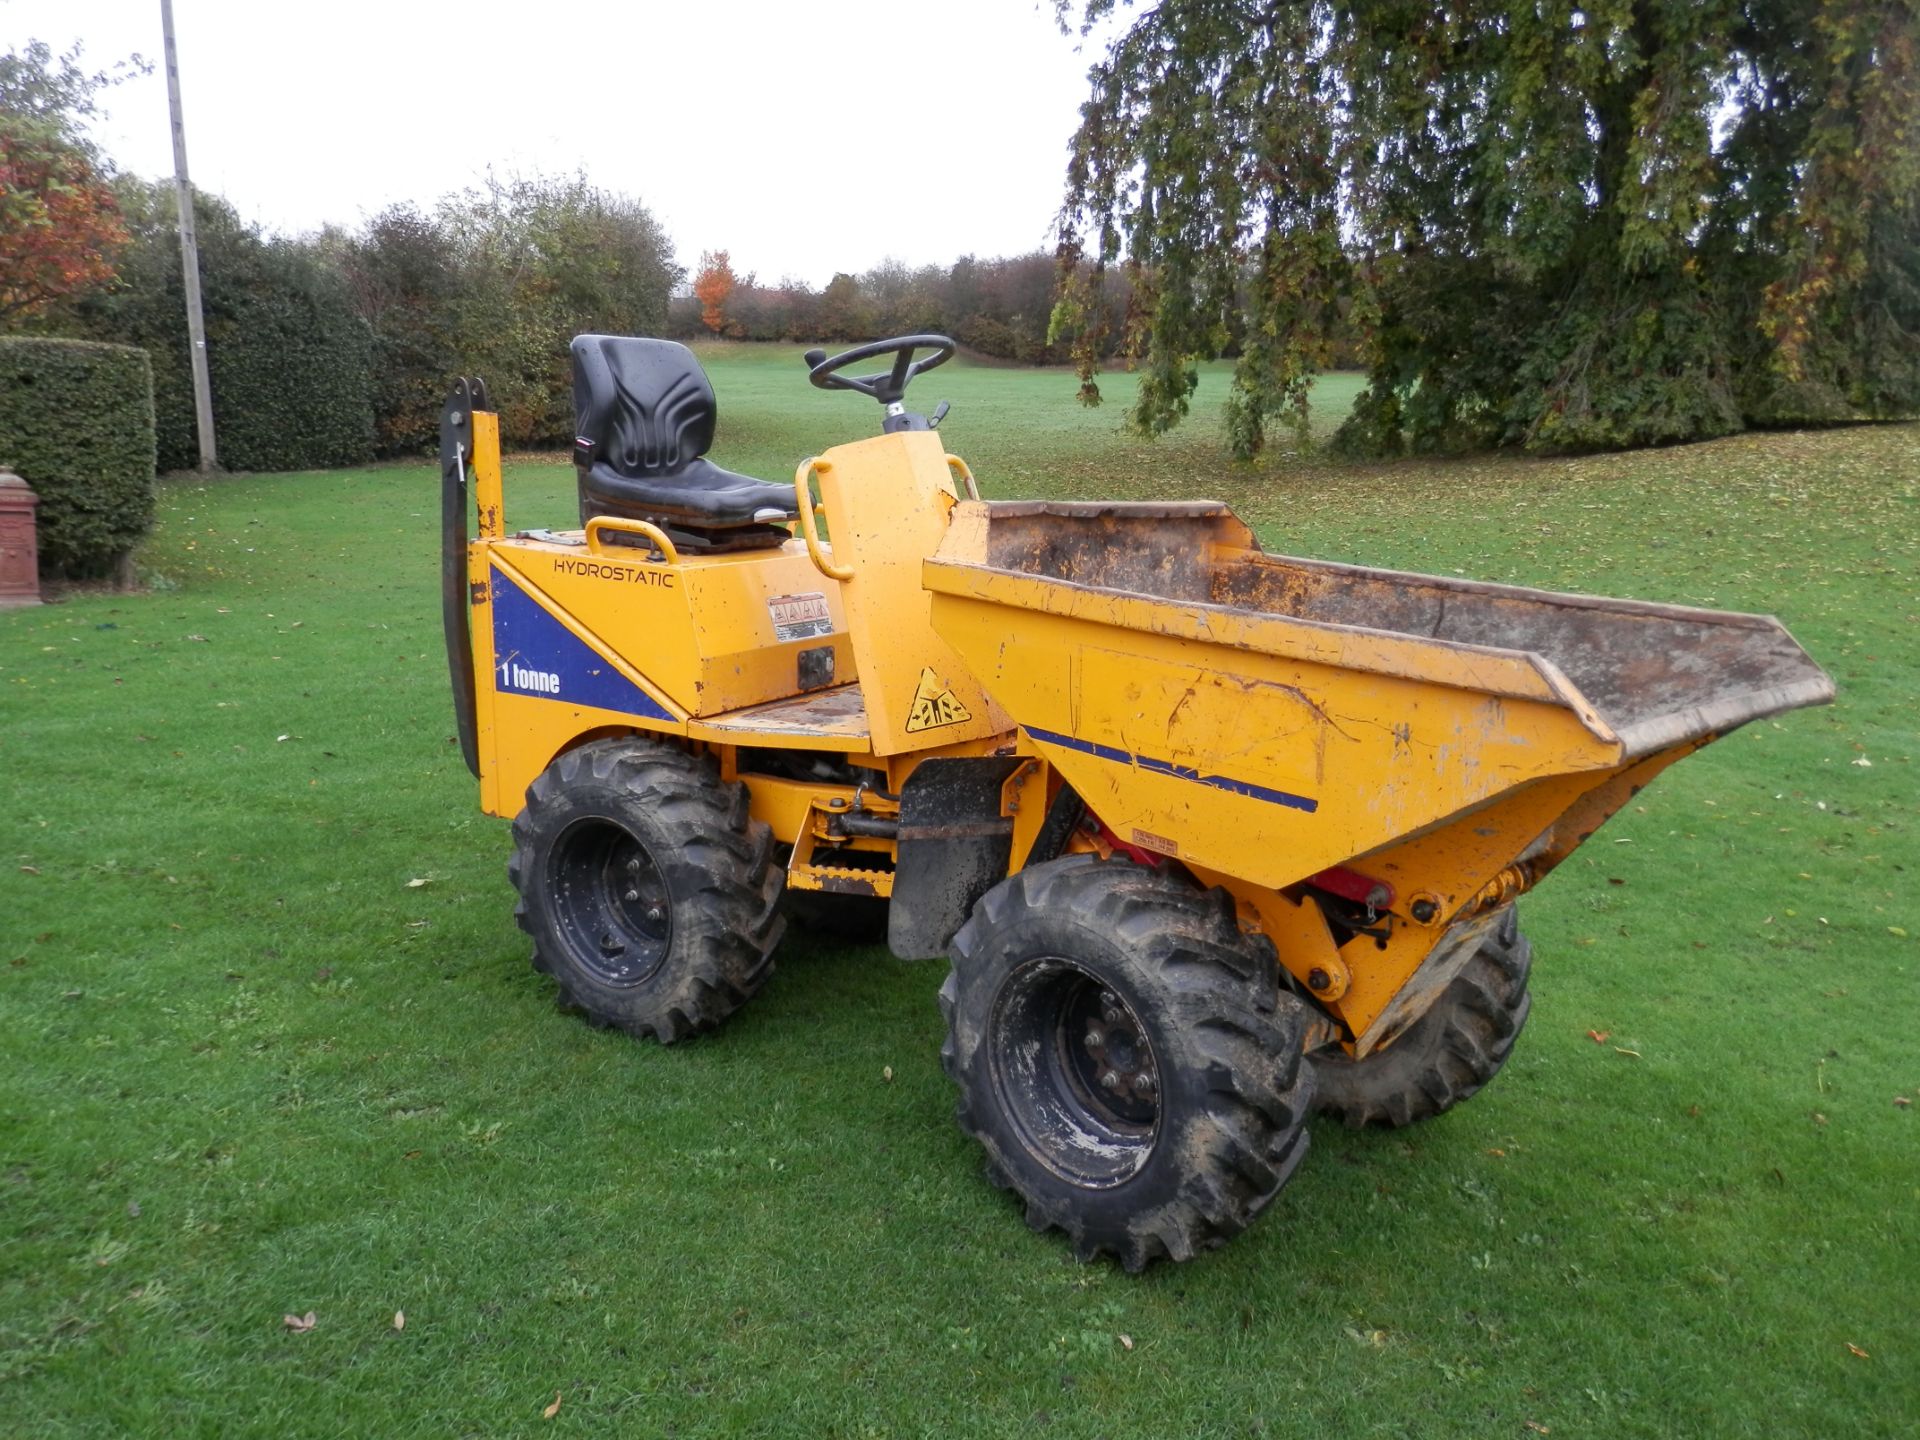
934	705
800	617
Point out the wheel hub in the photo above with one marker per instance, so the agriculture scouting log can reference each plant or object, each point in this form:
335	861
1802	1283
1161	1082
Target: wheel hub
612	903
1122	1061
1076	1072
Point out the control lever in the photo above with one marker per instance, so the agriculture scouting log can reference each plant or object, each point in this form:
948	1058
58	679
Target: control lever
939	414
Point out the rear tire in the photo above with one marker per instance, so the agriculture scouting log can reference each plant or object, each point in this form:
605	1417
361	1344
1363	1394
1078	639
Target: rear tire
650	895
1446	1055
1125	1057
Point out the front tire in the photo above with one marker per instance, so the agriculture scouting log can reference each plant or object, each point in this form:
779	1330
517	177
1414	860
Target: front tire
1125	1057
1445	1056
651	897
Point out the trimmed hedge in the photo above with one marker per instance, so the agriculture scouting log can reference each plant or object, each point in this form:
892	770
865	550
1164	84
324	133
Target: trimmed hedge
290	362
76	423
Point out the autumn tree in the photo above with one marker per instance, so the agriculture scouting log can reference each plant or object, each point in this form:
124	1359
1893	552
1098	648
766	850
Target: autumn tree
713	286
1552	225
59	227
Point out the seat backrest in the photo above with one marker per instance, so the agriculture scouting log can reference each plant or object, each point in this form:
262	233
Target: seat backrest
642	407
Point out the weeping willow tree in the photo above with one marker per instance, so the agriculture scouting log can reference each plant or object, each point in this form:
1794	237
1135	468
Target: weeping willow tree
1554	226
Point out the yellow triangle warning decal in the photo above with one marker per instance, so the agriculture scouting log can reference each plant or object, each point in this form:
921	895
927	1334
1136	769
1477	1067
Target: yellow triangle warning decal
934	705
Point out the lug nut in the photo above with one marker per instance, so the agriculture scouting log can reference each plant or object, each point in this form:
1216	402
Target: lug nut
632	895
1318	979
1110	1080
1144	1083
634	863
654	912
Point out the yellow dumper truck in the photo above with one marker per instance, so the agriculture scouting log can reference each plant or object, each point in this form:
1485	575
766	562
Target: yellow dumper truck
1211	838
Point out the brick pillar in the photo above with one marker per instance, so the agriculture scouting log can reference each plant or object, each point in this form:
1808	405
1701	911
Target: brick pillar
19	549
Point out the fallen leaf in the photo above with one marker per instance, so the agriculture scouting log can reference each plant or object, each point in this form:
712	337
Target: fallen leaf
29	869
411	1155
298	1324
399	1319
553	1409
886	1073
1622	1050
1862	762
1598	1037
1126	1342
1896	932
1818	1118
1497	1153
1858	1351
1902	1101
418	881
279	738
1538	1428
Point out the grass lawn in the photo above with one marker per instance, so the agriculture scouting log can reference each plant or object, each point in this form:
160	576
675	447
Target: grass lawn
272	1045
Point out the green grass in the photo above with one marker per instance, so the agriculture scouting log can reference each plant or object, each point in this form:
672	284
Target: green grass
251	1067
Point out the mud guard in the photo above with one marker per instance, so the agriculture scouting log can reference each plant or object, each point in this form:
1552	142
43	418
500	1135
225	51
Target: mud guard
955	845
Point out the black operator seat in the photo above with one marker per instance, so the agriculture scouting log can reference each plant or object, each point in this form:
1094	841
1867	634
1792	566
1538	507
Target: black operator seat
645	415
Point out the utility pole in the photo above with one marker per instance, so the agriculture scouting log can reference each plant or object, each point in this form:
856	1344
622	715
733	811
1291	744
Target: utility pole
189	253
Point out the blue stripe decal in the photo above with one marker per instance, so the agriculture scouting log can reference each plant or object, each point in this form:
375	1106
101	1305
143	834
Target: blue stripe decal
534	654
1179	772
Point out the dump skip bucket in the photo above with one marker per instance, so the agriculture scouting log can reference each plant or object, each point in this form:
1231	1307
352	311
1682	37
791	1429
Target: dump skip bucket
1158	653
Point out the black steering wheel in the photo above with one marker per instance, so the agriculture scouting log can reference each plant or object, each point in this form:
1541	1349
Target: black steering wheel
886	386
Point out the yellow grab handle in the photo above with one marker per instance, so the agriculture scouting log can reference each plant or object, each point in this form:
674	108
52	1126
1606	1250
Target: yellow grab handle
651	533
954	462
803	497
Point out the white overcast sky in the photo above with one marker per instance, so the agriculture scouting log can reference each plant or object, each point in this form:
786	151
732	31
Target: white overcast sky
804	137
